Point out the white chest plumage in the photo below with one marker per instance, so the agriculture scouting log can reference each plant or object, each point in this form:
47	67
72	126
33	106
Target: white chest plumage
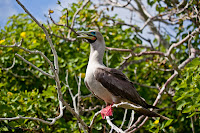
96	87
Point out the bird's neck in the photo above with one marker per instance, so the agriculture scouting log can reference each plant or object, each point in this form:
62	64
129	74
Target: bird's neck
96	54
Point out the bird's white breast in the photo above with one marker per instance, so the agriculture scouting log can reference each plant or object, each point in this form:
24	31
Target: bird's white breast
97	88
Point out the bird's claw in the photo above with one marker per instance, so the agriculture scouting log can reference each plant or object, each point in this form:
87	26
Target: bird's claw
106	111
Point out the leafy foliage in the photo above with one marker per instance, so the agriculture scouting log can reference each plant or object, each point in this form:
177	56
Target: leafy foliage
187	94
26	92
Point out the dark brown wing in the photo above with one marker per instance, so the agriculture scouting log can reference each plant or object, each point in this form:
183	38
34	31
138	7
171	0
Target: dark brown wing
119	85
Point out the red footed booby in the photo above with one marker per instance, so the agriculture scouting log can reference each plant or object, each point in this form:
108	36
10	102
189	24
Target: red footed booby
110	84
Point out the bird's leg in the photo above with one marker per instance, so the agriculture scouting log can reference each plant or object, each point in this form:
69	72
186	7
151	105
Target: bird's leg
107	111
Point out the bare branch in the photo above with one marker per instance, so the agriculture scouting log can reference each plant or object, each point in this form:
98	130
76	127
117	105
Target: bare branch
164	87
118	49
74	17
182	41
13	64
137	54
124	118
113	125
90	108
193	129
30	118
150	53
47	36
67	105
191	57
34	19
79	93
60	115
143	10
134	130
53	120
135	124
40	70
65	25
93	120
57	80
29	51
19	76
131	119
182	65
128	2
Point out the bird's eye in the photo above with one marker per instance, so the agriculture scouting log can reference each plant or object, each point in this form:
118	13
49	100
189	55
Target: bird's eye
93	33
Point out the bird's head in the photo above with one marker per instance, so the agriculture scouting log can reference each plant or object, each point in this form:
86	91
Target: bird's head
92	36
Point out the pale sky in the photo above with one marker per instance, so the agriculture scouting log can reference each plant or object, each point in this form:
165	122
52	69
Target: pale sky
40	7
37	7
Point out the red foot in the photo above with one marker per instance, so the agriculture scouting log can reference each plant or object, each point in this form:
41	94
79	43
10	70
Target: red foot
106	111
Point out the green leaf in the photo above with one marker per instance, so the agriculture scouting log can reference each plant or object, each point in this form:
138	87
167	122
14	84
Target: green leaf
181	105
194	63
168	123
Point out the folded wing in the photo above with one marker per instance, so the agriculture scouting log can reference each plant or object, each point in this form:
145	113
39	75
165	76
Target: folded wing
119	85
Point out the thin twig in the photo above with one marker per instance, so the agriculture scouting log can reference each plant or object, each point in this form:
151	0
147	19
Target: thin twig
131	119
40	70
65	25
182	41
13	64
193	129
91	108
74	16
56	71
135	124
182	65
53	120
47	36
124	118
137	54
93	119
29	51
134	130
113	125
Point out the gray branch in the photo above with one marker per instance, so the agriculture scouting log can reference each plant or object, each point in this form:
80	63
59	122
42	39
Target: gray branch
40	70
47	36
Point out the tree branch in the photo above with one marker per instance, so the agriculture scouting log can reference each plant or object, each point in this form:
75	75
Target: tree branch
13	64
93	120
181	66
47	36
65	25
113	125
76	13
40	70
53	120
29	51
55	72
182	41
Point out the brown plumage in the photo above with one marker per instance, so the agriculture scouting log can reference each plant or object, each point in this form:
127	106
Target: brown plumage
119	85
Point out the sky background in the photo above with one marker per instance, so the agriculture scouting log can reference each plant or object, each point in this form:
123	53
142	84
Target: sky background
40	7
37	8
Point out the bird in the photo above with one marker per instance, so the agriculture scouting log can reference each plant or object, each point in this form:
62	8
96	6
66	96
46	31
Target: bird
110	84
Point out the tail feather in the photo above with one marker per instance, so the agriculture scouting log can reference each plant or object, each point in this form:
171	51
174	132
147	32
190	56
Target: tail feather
149	113
141	110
